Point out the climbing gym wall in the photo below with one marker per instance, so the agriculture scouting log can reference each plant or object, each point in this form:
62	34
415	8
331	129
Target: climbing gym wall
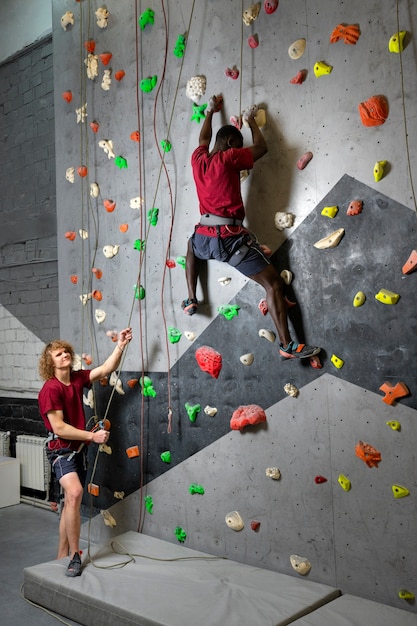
328	471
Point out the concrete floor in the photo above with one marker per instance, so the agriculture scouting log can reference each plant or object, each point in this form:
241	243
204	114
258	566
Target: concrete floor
28	536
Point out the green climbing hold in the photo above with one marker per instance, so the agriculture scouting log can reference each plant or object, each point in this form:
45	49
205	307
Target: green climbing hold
139	244
147	84
120	162
153	215
147	387
181	261
174	335
192	410
139	292
229	311
196	489
149	504
198	112
166	145
166	456
147	17
179	48
180	534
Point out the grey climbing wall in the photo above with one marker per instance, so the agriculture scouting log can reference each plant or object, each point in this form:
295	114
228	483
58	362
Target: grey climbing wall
317	432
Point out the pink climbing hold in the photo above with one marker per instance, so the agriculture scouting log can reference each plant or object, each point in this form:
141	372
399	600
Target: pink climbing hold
248	415
270	6
355	207
209	360
263	306
299	78
253	41
231	72
304	160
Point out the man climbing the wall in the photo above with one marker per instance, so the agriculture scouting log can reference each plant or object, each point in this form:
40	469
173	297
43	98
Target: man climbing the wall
220	234
61	407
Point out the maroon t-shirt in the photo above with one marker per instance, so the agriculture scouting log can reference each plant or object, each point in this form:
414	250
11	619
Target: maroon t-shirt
55	396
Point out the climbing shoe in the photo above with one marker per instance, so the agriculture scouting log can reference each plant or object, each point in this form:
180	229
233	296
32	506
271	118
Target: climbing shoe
74	567
189	306
296	350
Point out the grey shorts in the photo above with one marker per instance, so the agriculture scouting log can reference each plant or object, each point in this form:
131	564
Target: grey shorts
241	251
62	464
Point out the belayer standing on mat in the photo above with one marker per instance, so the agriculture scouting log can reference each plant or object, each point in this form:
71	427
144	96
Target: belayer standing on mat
61	407
220	234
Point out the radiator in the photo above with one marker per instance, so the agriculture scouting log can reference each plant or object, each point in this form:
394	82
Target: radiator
5	443
34	466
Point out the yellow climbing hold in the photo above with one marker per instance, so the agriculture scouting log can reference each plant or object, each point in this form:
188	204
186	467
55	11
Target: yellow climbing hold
344	482
321	68
400	492
396	43
394	424
387	297
379	170
330	211
337	361
404	594
359	299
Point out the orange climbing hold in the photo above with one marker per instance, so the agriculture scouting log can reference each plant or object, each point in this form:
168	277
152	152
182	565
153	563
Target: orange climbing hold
368	453
93	489
90	46
132	382
124	228
120	74
348	32
135	136
97	273
132	452
250	414
94	126
109	205
97	295
393	393
299	78
105	57
209	360
67	95
374	111
82	171
355	207
411	264
71	235
74	279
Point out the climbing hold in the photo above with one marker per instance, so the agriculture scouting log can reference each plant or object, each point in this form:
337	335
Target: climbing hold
132	452
297	48
330	211
119	495
394	424
170	263
180	534
393	393
97	295
253	41
267	334
196	489
103	447
210	410
248	415
247	359
92	66
270	6
82	171
81	113
94	126
229	311
196	88
355	207
255	525
396	42
300	564
209	360
224	280
234	521
102	16
251	13
198	112
404	594
192	411
263	306
348	32
85	297
67	20
411	264
337	361
232	72
344	482
147	84
291	390
315	362
110	251
370	455
139	244
74	279
319	480
105	57
359	299
283	220
322	69
148	503
115	382
181	261
299	78
108	519
147	17
374	111
119	75
273	472
124	228
83	233
132	382
400	492
136	203
379	170
331	241
107	146
304	160
109	205
100	316
189	335
97	273
174	335
120	162
139	292
387	297
67	95
166	145
166	456
94	190
147	387
88	359
179	48
70	174
153	215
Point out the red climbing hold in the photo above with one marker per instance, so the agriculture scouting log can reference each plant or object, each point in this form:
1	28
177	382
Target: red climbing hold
74	279
232	72
82	171
94	126
109	205
270	6
250	414
105	57
253	41
170	263
135	135
319	480
209	360
255	525
120	74
299	78
90	46
67	95
304	160
71	235
263	306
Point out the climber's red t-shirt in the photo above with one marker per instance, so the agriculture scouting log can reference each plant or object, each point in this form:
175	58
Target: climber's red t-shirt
55	396
217	180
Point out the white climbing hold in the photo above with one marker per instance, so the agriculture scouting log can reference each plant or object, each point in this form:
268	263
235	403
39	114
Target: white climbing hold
283	220
267	334
115	382
89	399
70	174
188	334
286	276
251	13
103	447
108	519
210	410
273	472
136	203
102	16
300	564
83	233
247	359
67	19
81	113
85	297
110	251
107	146
100	316
94	190
331	241
119	495
106	80
224	280
196	87
291	390
297	48
234	521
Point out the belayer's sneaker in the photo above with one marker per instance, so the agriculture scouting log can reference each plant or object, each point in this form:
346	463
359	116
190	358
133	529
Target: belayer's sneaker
189	306
74	567
296	350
